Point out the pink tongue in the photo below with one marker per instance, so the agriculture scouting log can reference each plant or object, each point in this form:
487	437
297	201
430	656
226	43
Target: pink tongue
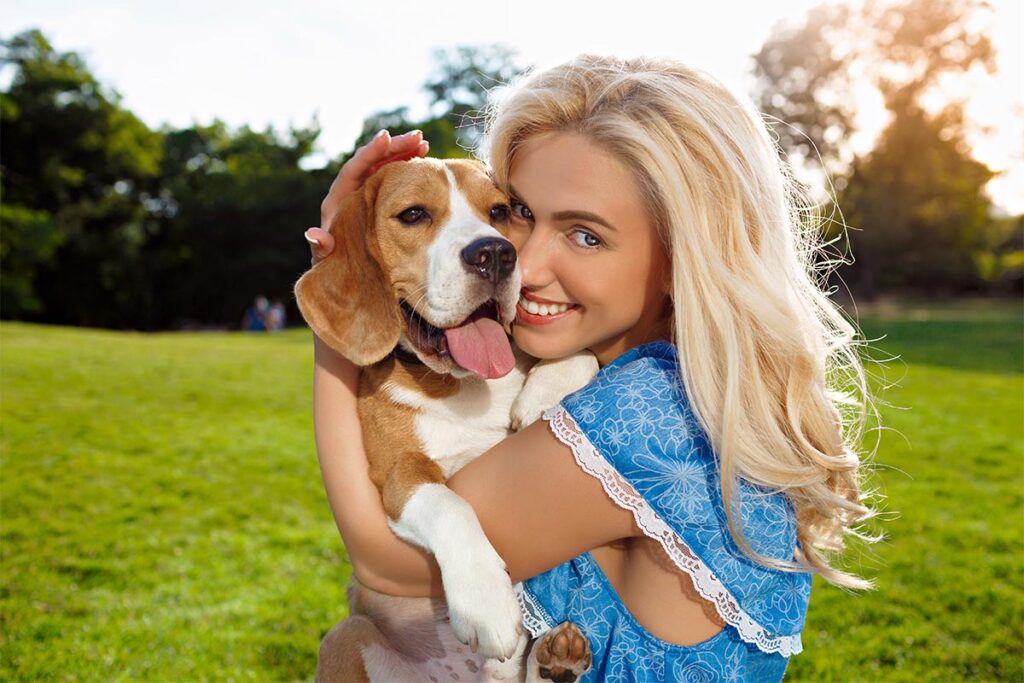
481	346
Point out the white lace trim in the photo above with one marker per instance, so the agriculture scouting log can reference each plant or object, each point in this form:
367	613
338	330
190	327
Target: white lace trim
705	582
535	618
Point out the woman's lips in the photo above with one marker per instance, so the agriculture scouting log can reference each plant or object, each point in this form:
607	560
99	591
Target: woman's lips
541	318
530	296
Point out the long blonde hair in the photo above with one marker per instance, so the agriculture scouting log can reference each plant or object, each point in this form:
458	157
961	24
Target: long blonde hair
768	360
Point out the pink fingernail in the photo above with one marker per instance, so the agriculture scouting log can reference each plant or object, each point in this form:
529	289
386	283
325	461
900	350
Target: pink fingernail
380	134
310	239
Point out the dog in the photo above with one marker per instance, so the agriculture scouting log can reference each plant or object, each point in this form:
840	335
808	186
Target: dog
420	292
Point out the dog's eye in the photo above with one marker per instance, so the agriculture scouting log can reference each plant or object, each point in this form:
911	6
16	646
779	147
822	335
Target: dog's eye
413	215
500	213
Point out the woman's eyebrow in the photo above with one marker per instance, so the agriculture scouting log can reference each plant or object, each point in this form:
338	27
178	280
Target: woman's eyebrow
582	216
568	215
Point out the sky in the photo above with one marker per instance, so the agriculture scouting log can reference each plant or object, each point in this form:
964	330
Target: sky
281	63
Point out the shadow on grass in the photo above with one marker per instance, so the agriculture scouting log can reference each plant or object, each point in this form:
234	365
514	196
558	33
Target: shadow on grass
995	346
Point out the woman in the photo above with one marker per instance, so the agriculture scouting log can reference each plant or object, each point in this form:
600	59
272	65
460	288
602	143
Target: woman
677	506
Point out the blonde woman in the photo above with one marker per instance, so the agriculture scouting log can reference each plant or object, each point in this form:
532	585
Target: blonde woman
675	508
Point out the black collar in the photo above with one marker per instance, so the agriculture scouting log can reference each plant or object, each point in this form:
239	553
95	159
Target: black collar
406	356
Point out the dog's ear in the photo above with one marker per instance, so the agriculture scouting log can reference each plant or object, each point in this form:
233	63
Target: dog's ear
345	298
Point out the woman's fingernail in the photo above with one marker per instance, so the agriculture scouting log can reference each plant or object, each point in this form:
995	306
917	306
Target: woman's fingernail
415	132
380	134
311	240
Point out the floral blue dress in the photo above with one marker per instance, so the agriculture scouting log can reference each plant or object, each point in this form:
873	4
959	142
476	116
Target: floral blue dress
633	429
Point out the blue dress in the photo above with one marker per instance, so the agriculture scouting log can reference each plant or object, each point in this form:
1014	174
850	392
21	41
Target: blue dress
633	429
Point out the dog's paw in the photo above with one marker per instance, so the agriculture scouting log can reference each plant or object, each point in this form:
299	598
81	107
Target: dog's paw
482	606
561	655
548	383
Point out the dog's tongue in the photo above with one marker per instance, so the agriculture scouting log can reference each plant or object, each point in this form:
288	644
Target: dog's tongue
481	346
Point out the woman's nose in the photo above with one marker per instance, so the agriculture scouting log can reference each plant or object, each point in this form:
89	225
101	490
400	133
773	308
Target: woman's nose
534	262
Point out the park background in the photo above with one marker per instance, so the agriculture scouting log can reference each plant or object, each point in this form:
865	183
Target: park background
161	512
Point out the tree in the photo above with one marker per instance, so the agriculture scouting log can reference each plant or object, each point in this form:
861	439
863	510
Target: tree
916	205
232	206
461	82
807	73
802	72
918	197
77	169
105	222
458	87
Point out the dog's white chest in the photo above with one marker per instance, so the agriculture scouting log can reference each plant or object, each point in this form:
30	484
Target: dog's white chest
458	428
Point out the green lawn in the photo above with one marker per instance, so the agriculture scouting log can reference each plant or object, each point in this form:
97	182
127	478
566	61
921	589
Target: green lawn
163	518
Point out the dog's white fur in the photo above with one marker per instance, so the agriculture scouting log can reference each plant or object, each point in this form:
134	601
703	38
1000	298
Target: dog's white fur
452	431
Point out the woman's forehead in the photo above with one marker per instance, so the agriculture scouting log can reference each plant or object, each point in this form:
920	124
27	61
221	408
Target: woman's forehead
567	172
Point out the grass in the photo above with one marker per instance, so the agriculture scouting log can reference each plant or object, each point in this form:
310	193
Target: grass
163	518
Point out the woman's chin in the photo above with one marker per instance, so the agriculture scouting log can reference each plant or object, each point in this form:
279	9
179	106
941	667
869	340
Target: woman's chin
539	346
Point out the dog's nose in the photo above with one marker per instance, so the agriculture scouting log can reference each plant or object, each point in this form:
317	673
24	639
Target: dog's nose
492	258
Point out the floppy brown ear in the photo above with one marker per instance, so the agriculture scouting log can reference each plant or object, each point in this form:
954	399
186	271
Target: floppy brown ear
345	298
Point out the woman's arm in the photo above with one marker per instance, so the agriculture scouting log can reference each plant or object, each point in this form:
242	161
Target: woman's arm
379	558
354	499
535	504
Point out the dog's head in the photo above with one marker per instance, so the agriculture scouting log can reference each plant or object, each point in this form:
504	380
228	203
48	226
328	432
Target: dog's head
421	259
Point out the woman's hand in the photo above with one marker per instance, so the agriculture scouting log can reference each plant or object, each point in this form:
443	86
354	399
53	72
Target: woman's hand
381	150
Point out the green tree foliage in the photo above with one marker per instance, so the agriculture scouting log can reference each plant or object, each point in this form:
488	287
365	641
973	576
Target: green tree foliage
463	77
915	204
441	131
458	89
232	205
77	169
925	222
105	222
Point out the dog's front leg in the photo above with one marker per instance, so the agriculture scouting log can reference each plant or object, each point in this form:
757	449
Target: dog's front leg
482	606
549	382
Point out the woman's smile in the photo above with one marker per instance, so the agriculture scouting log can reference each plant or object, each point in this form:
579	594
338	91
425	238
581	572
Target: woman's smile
595	274
534	310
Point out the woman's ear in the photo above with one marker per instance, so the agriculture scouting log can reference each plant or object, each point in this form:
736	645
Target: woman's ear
345	298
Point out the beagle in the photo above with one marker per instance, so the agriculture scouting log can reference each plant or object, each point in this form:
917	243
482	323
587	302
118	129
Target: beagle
420	292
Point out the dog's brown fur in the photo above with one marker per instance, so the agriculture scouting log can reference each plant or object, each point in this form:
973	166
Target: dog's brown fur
350	300
395	455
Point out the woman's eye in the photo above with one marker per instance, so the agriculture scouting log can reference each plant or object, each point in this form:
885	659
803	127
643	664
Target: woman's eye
413	215
520	211
500	213
587	240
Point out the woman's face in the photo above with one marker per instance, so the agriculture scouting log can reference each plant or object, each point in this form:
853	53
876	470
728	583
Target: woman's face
587	250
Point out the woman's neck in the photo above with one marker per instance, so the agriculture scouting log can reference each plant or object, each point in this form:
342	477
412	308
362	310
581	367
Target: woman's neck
612	349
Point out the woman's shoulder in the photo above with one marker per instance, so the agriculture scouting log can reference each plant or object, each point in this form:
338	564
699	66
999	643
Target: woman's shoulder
634	429
635	418
636	411
639	386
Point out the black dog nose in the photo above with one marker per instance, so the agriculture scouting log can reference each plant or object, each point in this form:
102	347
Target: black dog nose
492	258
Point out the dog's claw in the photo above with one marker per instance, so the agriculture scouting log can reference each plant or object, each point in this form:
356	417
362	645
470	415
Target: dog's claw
474	644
